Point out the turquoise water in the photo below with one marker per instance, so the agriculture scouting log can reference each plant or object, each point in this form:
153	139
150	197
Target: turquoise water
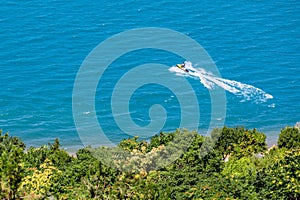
43	43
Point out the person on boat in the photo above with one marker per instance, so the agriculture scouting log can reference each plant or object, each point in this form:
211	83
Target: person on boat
182	67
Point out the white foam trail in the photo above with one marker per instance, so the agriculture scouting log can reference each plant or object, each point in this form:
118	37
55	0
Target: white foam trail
209	80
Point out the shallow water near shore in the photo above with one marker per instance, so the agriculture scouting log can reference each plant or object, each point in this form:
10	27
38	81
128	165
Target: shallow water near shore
43	44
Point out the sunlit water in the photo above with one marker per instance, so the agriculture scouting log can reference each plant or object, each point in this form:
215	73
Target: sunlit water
255	46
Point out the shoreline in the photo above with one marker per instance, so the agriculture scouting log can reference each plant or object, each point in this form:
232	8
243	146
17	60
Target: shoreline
72	149
271	140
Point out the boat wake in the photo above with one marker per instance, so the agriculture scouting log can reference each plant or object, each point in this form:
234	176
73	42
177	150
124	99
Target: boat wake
209	80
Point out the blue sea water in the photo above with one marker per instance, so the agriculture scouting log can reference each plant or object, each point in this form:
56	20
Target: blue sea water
43	44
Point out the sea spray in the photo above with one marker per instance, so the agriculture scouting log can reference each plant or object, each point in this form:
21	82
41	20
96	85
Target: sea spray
209	81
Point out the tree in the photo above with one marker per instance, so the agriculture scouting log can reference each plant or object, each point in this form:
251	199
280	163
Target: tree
11	166
289	138
280	180
239	142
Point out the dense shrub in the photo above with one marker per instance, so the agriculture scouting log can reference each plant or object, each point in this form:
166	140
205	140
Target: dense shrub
289	138
198	170
42	181
220	187
240	168
11	166
280	179
239	142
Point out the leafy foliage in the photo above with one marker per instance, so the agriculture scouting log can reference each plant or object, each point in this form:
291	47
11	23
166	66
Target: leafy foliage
289	138
11	166
239	141
281	179
223	166
40	183
240	168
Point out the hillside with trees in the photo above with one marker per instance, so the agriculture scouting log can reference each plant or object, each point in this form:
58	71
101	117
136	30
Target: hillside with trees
239	166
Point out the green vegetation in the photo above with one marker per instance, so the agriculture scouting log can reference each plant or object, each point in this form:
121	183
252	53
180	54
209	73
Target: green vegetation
239	166
289	138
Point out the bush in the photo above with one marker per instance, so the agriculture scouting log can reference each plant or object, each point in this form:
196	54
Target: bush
42	181
194	172
220	187
240	168
239	142
281	179
289	138
11	166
